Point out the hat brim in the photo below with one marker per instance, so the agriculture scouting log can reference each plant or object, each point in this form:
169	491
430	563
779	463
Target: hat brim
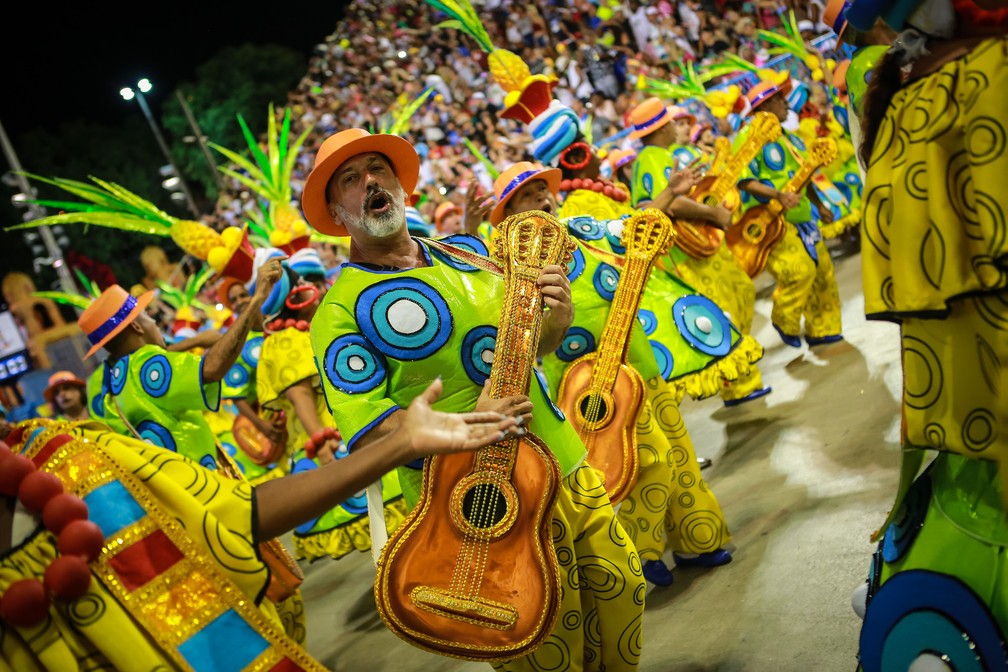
400	154
552	177
142	302
47	393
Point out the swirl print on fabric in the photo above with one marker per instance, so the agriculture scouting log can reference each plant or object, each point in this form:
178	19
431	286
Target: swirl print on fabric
405	318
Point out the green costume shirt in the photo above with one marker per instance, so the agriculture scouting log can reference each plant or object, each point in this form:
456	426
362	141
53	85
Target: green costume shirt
163	396
774	165
240	380
381	337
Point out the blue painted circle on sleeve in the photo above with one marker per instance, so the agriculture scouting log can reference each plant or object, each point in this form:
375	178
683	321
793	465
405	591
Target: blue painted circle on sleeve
353	366
647	320
156	375
156	434
773	156
577	342
236	376
702	324
478	347
585	227
117	375
576	266
663	356
606	279
404	318
614	233
463	241
251	351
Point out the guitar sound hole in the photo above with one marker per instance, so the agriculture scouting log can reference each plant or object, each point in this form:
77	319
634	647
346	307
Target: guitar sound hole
754	232
593	409
711	202
484	505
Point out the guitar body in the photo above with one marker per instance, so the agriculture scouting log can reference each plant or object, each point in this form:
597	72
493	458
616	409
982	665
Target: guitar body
754	235
699	239
608	419
254	443
441	587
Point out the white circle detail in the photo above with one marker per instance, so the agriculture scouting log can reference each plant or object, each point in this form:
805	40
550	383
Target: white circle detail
406	317
704	324
487	356
155	374
575	346
616	227
355	363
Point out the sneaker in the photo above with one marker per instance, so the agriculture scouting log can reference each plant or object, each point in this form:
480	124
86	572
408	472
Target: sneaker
657	573
762	392
704	462
823	340
711	559
793	341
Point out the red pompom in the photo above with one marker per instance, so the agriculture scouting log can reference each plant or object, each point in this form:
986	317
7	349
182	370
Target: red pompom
597	187
25	603
67	577
608	190
302	325
62	509
12	472
290	322
37	488
81	537
576	183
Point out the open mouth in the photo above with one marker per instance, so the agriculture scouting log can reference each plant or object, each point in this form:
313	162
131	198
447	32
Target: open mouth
378	202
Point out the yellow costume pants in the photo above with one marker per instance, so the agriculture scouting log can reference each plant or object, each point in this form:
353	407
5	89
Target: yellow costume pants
804	288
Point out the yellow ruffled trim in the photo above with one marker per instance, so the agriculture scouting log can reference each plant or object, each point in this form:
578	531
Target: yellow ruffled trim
710	380
834	229
354	536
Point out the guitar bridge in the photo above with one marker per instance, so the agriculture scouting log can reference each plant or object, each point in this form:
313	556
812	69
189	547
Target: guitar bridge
478	611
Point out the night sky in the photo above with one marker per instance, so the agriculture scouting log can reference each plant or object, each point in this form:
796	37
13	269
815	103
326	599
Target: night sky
63	65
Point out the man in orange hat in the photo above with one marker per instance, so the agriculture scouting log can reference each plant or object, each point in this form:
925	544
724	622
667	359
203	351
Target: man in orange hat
716	273
448	218
800	263
406	309
66	396
153	393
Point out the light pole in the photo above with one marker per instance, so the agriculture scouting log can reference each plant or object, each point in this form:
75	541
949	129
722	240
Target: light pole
144	86
36	212
200	139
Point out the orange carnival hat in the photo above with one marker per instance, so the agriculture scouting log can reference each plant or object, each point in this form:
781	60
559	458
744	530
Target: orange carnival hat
443	210
339	148
109	314
682	113
513	177
835	15
764	90
647	117
224	288
620	157
61	378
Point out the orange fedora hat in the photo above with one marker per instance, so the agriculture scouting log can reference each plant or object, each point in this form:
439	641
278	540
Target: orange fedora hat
109	314
764	90
647	117
61	378
343	146
508	182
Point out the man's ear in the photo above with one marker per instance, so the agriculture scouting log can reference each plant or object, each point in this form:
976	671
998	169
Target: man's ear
331	208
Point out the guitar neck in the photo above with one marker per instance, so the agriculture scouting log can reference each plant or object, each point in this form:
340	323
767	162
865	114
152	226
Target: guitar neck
614	343
733	168
517	336
820	153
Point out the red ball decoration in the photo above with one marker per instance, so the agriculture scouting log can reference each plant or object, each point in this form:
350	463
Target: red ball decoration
37	488
62	509
12	471
25	603
597	187
67	577
303	325
608	190
576	183
81	537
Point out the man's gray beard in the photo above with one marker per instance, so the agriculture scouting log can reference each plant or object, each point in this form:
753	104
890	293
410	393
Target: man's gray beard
381	226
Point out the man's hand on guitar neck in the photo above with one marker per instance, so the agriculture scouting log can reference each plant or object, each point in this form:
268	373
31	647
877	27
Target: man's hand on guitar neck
788	199
519	406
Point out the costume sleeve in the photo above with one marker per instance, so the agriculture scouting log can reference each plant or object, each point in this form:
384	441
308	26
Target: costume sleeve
170	378
649	174
285	359
240	380
354	373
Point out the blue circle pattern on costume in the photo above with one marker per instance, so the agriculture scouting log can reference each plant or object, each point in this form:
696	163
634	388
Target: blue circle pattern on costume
117	375
98	404
663	356
647	320
647	184
545	391
853	181
404	318
702	324
606	279
919	612
236	376
585	227
356	504
465	242
773	156
577	342
157	434
614	234
478	347
353	366
576	266
155	376
900	534
251	351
